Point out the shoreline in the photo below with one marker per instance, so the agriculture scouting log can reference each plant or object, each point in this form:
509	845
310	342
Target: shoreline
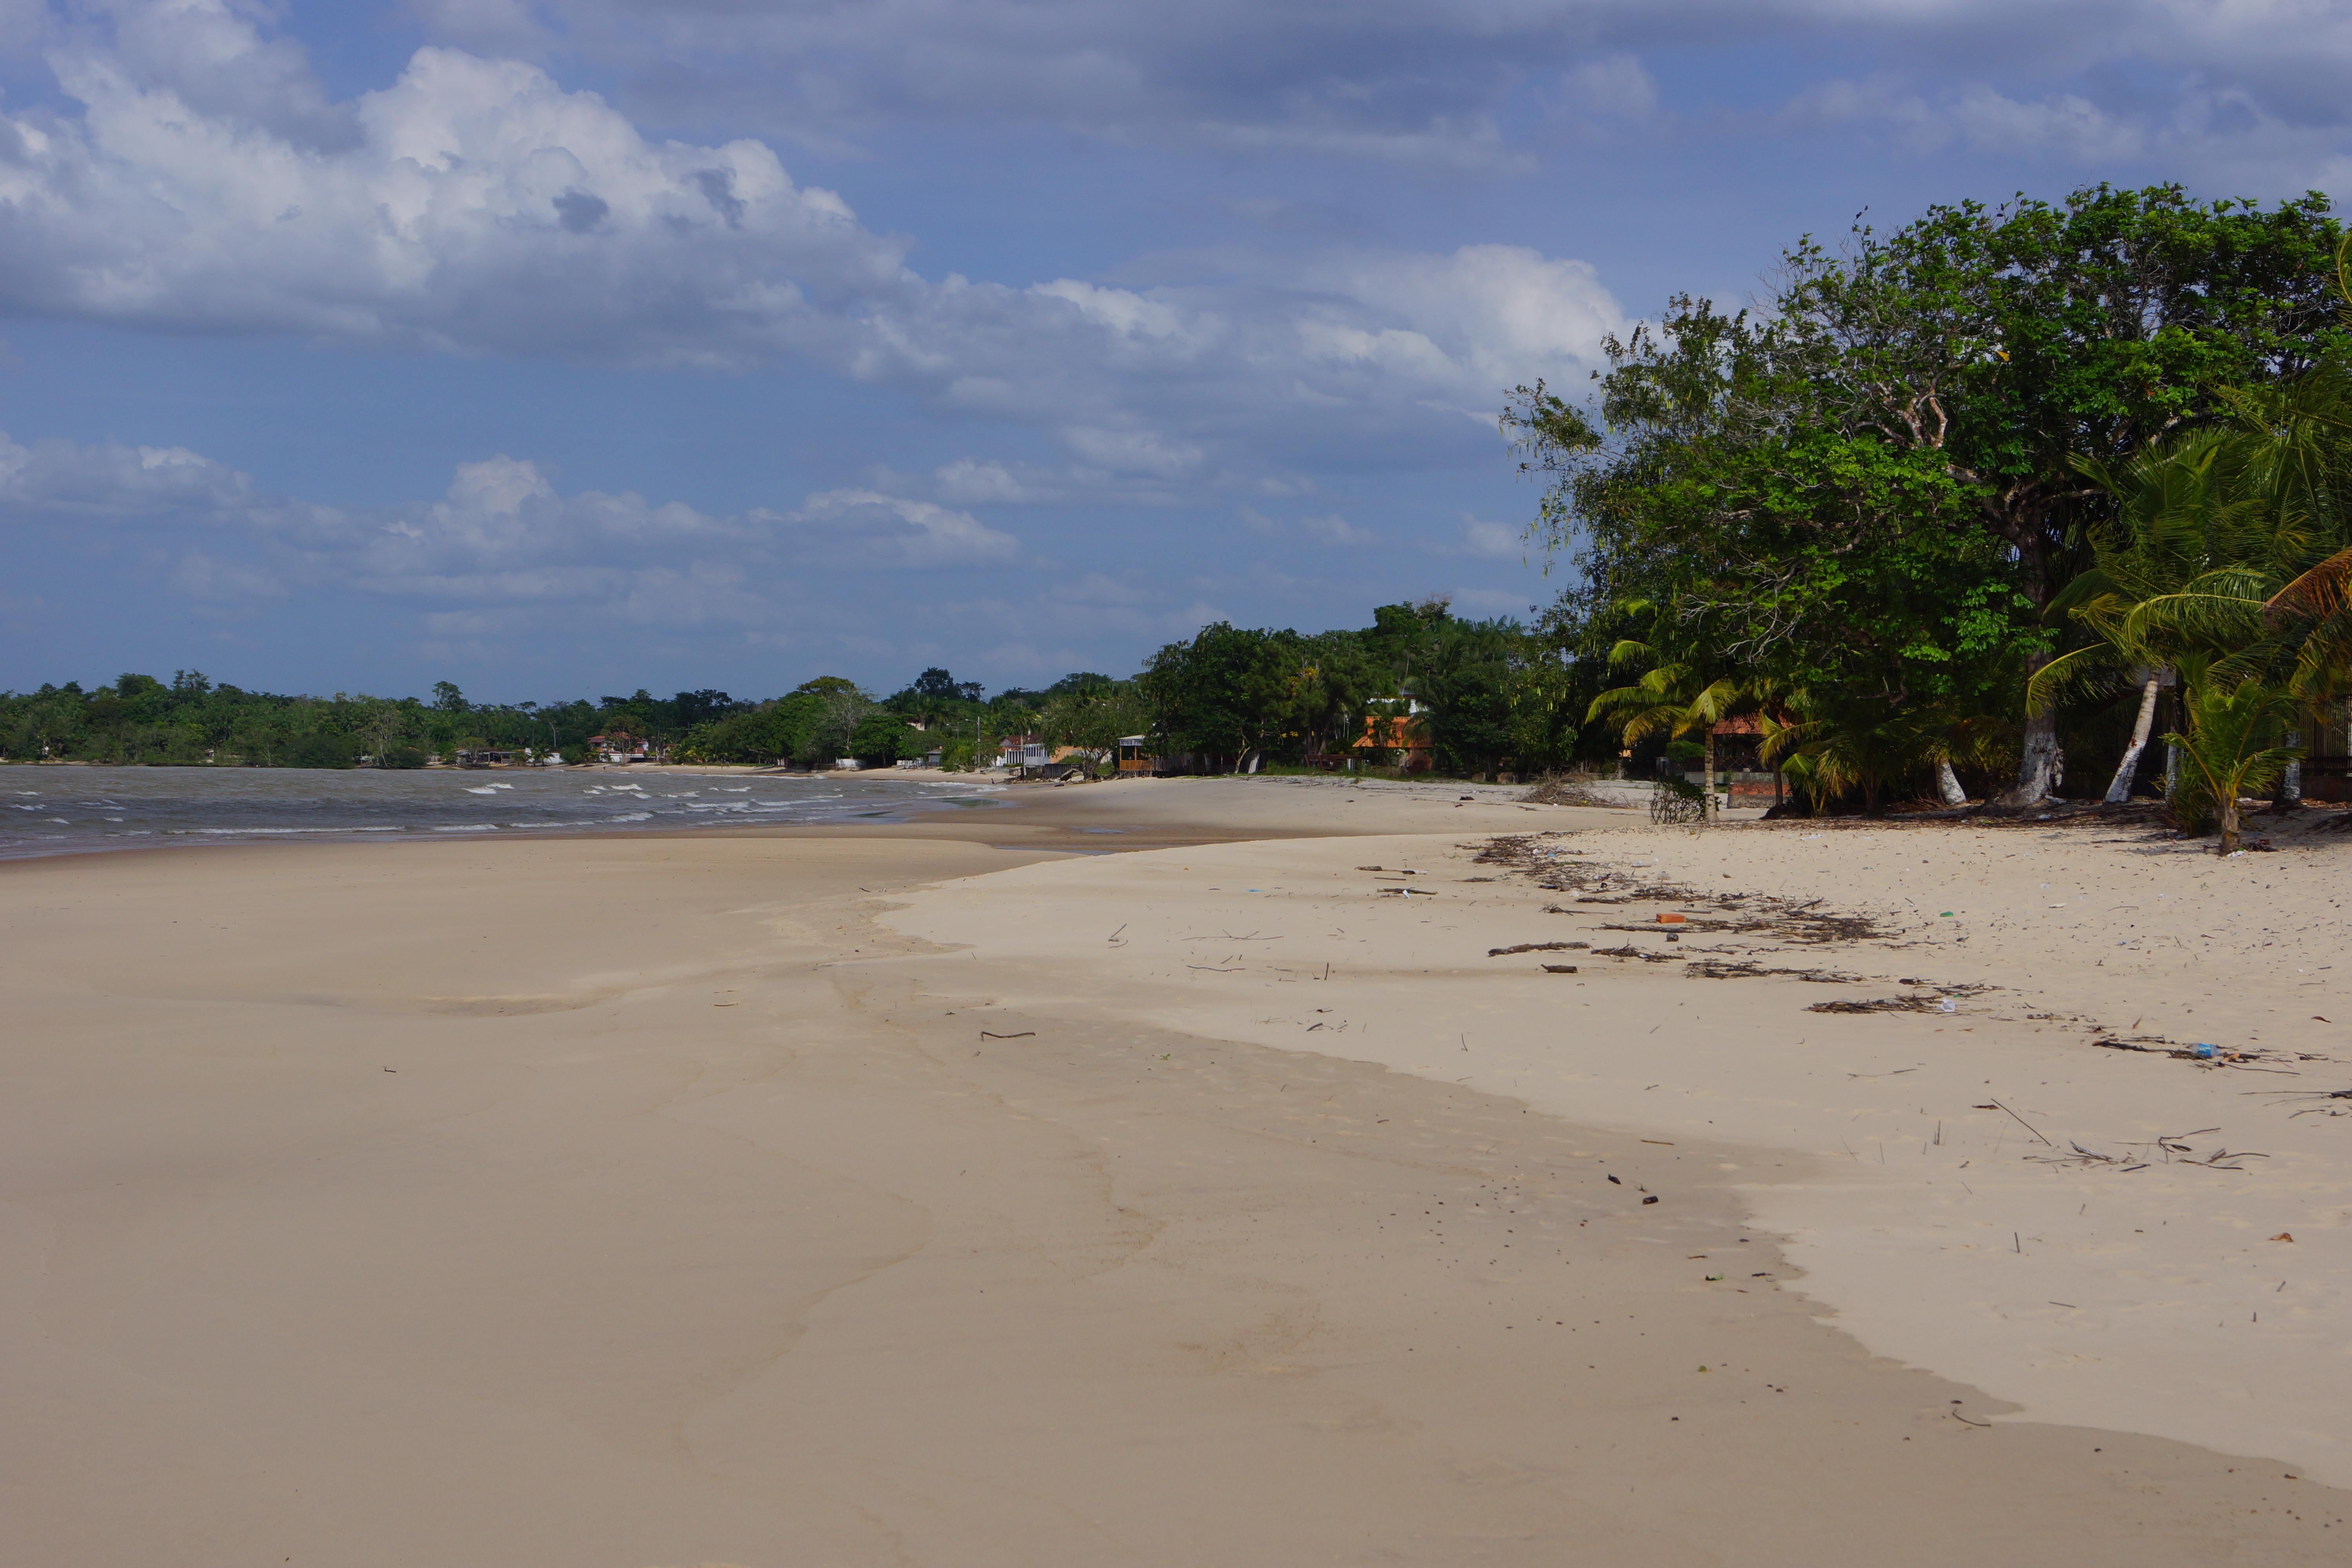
685	1196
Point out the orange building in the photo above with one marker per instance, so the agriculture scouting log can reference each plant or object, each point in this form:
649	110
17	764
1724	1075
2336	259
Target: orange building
1407	732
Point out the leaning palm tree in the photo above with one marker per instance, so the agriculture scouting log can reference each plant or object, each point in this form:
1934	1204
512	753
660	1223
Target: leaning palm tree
2227	548
2182	512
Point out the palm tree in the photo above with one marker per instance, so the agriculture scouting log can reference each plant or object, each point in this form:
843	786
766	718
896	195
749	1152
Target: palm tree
1673	697
2182	512
1829	747
2229	745
2226	551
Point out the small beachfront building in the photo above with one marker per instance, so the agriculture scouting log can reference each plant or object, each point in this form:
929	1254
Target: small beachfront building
1403	735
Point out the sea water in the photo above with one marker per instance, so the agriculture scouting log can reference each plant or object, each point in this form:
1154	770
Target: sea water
50	809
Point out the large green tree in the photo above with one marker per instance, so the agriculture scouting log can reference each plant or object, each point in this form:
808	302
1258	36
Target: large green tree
1873	490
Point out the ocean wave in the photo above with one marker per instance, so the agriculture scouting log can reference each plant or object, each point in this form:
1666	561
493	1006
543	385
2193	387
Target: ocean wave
274	832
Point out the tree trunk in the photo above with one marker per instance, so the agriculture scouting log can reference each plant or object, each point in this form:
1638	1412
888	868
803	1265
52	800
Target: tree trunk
2037	764
1709	808
2119	791
2289	792
2229	823
2037	768
1947	783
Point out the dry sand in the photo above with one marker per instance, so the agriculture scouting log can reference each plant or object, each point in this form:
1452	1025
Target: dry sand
647	1202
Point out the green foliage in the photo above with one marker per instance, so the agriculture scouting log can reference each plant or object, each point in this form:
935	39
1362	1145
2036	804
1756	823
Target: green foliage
2230	749
880	737
1487	693
2125	409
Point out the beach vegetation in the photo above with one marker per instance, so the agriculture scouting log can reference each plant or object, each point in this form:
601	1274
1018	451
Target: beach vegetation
1966	497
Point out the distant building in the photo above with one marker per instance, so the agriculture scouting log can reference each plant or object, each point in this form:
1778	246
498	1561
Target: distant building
623	749
1403	735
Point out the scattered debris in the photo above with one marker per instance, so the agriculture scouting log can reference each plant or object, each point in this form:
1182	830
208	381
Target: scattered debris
1536	947
1023	1034
2157	1045
1884	1004
1560	969
1748	969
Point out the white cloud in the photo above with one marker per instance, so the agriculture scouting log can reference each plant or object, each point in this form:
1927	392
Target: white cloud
502	534
1097	591
53	480
1488	602
1496	540
2064	125
895	531
1471	323
1614	88
1333	529
475	205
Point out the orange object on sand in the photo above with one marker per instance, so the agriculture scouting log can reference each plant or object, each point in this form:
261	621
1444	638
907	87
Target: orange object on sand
1671	919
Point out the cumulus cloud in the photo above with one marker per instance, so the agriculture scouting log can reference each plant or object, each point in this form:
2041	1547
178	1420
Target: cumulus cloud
502	534
476	205
2062	125
51	481
1495	540
1332	529
892	530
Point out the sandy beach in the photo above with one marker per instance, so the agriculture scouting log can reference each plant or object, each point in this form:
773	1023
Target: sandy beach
956	1192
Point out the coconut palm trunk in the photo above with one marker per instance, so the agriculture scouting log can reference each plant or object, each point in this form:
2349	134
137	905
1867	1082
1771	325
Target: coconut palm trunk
2119	790
1710	774
1947	783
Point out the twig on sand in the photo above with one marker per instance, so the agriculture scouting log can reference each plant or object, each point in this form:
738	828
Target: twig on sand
2029	1126
1023	1034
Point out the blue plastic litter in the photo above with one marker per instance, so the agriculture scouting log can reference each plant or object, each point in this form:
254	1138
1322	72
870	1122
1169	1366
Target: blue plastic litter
2203	1051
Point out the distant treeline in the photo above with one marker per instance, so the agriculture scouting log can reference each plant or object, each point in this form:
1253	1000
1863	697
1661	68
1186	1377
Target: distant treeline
1488	694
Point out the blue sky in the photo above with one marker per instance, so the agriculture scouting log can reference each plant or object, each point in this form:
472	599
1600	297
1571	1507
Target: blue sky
567	346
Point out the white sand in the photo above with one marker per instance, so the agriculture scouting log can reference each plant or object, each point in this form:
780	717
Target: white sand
1945	1234
640	1203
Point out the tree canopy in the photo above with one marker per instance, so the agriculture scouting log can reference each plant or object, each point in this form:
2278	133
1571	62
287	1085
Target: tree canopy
1863	498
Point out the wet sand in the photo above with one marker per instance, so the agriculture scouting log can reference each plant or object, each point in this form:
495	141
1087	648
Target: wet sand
670	1200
